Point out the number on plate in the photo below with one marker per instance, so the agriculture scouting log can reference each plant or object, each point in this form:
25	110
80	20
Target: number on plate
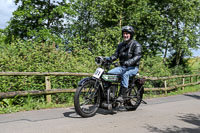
98	73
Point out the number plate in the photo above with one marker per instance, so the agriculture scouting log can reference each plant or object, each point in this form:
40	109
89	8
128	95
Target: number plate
98	73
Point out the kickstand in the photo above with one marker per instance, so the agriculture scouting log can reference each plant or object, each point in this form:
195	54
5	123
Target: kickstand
144	102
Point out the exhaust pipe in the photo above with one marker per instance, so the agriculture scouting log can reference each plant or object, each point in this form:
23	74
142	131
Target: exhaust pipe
107	106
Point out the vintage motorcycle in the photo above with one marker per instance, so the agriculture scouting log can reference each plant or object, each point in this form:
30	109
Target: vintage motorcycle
101	91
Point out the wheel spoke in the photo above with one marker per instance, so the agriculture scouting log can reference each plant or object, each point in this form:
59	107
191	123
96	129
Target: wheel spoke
135	99
85	103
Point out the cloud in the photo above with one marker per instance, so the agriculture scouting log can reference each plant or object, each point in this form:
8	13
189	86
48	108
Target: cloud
6	9
196	52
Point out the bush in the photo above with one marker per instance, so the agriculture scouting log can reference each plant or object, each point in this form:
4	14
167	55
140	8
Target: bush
154	67
27	56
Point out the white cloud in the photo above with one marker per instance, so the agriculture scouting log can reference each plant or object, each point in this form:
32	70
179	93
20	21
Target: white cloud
6	9
10	2
196	52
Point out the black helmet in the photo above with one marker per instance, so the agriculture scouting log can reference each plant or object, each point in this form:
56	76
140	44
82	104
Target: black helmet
128	29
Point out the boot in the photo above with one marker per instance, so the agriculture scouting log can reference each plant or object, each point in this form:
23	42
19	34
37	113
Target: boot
122	94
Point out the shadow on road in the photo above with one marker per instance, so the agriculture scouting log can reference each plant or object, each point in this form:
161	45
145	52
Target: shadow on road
106	112
188	118
73	114
193	96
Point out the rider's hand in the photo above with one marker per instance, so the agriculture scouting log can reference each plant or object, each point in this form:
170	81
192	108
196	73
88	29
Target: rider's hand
126	63
108	59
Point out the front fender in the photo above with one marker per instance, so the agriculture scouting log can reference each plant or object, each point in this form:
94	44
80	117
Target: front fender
85	80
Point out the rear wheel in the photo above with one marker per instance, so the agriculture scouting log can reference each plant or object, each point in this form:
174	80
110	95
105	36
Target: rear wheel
134	98
87	99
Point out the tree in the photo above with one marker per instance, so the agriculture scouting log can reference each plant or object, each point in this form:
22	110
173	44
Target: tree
168	27
2	37
39	20
91	29
181	23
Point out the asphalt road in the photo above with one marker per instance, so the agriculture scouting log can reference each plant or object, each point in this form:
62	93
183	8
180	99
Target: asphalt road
174	114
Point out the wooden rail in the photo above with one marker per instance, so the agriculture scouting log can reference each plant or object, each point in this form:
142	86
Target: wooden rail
48	91
43	74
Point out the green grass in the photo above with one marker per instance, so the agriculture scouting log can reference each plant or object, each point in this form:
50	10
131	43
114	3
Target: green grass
18	104
194	63
178	91
36	106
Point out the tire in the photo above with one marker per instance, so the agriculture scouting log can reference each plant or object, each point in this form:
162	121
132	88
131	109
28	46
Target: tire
136	95
87	99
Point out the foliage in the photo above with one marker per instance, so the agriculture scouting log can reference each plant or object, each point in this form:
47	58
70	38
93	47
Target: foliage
33	57
95	44
154	66
2	38
179	91
38	20
25	104
194	63
182	68
170	27
28	56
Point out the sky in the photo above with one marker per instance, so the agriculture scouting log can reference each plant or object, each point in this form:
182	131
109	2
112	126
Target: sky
196	52
8	6
6	9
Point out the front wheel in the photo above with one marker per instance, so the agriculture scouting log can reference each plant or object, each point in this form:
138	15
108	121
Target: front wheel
135	97
87	99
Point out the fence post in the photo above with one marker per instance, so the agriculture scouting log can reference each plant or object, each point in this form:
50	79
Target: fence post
190	79
48	87
183	84
165	87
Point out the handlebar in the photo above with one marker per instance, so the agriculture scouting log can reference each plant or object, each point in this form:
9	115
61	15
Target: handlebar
102	61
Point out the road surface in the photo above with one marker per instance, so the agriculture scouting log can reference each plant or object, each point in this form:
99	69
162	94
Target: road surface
174	114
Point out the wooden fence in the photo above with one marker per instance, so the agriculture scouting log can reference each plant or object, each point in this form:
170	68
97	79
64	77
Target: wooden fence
48	91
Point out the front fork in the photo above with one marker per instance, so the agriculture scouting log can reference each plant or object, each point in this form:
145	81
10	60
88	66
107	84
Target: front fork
108	96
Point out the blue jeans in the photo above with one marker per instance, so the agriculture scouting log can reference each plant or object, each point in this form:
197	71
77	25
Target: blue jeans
125	73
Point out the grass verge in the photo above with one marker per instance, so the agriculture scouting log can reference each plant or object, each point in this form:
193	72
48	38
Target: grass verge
177	91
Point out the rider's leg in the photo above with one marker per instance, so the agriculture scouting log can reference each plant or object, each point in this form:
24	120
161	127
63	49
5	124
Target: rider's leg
130	71
116	70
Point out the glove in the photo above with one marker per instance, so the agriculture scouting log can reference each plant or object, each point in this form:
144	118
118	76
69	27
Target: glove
126	63
108	59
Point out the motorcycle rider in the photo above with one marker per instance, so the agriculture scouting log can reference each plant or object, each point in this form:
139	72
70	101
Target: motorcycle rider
129	54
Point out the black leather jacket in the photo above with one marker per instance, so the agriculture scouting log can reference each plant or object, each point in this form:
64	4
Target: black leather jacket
129	54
